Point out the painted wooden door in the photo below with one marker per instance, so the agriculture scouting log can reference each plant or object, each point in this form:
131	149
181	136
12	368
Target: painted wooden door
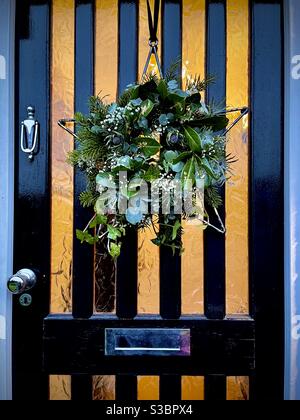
225	290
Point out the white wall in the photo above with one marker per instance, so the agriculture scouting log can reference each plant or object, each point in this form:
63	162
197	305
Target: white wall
292	200
7	16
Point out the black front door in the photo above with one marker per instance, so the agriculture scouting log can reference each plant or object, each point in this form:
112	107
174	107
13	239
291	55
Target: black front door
71	344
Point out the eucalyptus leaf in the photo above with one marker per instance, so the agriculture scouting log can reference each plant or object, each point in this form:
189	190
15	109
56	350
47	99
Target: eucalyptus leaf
178	167
134	216
170	156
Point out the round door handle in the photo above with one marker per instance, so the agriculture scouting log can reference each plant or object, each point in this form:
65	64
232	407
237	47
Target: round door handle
22	281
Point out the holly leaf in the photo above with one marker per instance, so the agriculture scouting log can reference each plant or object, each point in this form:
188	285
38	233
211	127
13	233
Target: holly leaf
193	139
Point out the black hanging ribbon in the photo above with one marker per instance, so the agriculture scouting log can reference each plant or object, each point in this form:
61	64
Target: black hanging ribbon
153	40
153	21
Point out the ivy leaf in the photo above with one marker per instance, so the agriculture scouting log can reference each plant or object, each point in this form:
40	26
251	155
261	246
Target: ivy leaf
193	139
148	145
176	227
188	173
182	157
113	232
86	237
147	106
105	180
124	163
152	173
100	219
115	250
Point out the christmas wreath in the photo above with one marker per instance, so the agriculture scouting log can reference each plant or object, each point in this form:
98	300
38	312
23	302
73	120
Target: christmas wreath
158	138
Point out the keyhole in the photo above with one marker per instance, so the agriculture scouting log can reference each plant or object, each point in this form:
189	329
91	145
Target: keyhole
25	300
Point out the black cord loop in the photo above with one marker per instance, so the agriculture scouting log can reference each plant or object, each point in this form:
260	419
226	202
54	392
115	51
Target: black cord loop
153	40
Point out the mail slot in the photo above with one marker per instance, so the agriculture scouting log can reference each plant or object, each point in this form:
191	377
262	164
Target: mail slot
147	342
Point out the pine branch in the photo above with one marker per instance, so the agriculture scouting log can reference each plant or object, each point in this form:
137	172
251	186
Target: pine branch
173	73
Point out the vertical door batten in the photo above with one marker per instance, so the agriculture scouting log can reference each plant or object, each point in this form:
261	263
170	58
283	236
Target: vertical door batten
214	242
32	191
62	106
237	212
106	81
126	388
148	253
215	388
83	260
193	64
128	43
170	388
126	299
170	266
266	261
82	388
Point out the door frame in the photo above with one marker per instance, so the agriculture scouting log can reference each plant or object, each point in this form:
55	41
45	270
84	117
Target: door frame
292	203
7	42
